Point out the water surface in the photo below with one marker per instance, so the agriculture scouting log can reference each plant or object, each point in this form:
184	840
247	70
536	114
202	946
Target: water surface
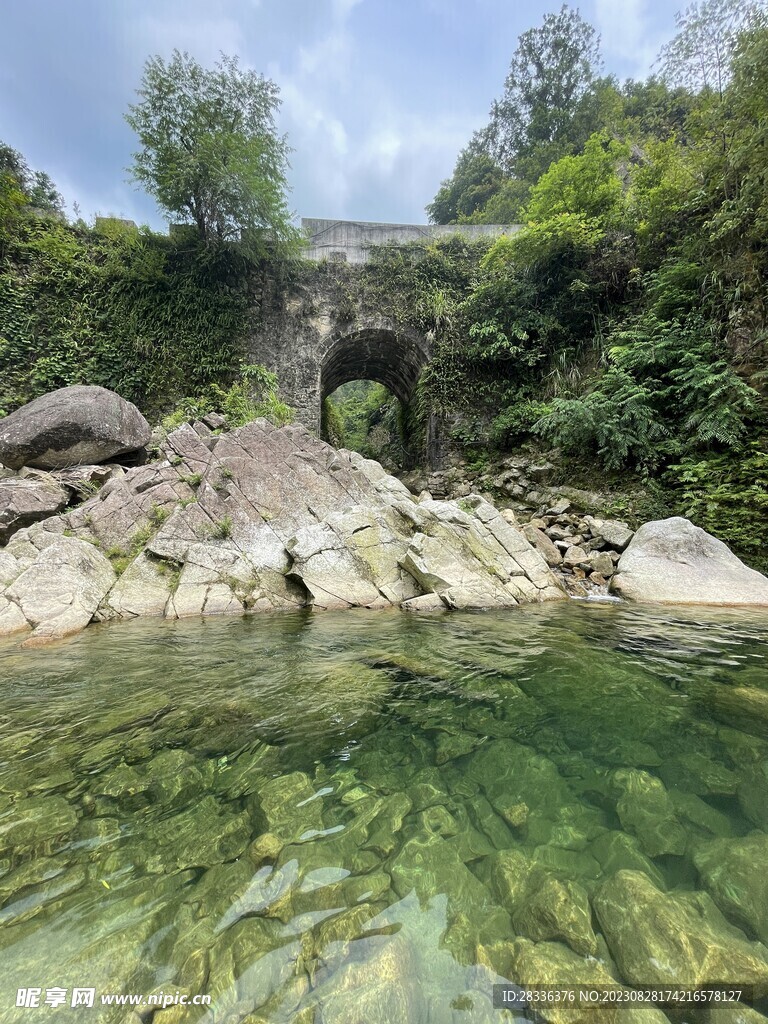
373	816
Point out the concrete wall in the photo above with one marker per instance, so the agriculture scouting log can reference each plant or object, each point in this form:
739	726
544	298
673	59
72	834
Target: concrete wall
350	240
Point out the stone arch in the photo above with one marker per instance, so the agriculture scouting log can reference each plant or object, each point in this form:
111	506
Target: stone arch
390	356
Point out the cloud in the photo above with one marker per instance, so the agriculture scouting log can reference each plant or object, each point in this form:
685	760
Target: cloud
343	8
625	29
400	162
360	152
203	29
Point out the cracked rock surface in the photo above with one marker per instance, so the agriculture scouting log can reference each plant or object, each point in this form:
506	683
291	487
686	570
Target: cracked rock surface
260	518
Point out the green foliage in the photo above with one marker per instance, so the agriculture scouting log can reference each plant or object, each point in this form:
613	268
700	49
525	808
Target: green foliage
657	201
565	237
333	425
36	187
727	497
504	206
138	313
550	76
210	152
367	418
586	185
700	54
12	203
253	395
656	112
475	179
222	530
538	293
616	418
517	420
421	285
665	392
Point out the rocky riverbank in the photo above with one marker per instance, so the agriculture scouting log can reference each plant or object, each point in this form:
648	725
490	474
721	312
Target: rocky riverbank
262	518
257	518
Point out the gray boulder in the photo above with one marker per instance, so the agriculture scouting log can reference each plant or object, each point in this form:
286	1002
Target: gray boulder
23	502
71	426
610	532
671	561
58	592
543	544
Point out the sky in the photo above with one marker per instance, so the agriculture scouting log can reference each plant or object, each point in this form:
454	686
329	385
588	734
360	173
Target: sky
378	96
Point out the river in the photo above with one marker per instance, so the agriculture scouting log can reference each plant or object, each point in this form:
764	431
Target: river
377	816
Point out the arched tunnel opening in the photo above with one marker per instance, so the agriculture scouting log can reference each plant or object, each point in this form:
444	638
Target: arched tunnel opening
368	380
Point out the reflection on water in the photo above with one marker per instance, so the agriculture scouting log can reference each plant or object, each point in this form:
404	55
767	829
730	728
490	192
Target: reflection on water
373	817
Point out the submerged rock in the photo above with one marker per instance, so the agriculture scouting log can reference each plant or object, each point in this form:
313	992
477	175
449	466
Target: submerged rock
753	795
734	872
646	810
617	850
671	561
746	707
677	938
551	964
71	426
263	518
380	990
36	820
543	906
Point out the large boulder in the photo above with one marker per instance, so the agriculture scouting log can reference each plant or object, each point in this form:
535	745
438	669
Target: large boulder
671	561
58	592
71	426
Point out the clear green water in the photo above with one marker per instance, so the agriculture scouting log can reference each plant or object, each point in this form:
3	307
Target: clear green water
325	818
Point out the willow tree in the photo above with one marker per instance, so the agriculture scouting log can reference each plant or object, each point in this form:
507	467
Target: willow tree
210	151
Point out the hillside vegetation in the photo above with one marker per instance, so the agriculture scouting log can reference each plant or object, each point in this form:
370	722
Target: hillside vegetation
625	325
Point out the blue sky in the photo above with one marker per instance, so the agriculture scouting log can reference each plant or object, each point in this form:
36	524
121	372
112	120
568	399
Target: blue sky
378	95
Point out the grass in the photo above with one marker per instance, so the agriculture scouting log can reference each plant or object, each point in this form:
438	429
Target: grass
223	529
120	558
158	514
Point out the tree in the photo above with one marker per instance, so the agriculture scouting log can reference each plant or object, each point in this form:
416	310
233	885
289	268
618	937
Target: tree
551	74
699	56
210	151
654	109
37	187
474	180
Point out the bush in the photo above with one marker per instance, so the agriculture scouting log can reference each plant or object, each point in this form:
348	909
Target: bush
728	497
253	395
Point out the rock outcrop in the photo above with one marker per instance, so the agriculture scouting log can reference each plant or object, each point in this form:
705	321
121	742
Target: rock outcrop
71	426
671	561
258	519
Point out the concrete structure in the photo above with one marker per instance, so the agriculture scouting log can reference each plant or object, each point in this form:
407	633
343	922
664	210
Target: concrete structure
317	333
315	344
349	241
